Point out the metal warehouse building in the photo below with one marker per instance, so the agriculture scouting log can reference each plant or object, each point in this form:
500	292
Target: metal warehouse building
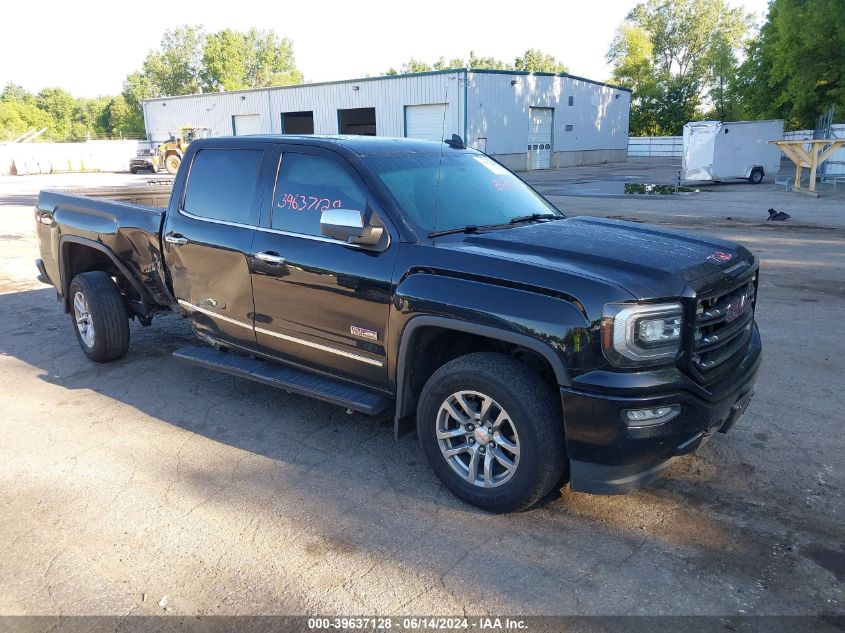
525	120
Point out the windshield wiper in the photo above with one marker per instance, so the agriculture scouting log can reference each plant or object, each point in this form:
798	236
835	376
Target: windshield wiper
534	217
470	228
475	228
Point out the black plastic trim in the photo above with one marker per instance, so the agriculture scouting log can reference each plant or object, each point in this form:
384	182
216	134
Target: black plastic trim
146	298
403	364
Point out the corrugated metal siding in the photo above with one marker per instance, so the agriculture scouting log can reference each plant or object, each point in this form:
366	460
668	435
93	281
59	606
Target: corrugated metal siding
388	96
498	111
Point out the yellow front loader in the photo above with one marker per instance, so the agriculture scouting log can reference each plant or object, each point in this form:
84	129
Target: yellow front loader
170	152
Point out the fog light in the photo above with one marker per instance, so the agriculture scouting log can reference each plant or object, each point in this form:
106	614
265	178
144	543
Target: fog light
649	417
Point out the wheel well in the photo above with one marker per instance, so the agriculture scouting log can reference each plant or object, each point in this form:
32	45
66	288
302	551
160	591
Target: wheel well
80	258
432	347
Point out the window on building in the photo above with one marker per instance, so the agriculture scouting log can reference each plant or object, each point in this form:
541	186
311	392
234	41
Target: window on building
222	184
569	128
298	122
360	121
307	185
571	100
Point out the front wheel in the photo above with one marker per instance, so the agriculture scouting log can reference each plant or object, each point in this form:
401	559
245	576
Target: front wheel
492	431
756	176
171	163
100	321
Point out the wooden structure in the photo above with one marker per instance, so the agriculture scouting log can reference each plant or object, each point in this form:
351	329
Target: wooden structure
811	159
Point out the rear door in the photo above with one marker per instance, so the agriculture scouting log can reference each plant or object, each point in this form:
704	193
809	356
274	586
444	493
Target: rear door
208	235
540	125
318	301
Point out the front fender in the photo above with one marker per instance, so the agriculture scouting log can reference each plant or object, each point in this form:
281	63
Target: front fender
550	325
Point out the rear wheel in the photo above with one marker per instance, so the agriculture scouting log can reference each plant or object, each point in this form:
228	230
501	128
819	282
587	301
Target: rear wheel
171	163
100	321
756	176
492	431
133	170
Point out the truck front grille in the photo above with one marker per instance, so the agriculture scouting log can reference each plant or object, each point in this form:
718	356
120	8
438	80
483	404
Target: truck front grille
722	328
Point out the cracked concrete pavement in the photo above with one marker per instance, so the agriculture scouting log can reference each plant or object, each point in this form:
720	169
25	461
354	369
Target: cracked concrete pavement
124	483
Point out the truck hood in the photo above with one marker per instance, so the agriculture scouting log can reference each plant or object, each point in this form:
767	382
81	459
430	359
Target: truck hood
647	261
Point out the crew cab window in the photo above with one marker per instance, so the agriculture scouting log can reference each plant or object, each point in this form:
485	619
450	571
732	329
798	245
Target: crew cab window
308	185
222	183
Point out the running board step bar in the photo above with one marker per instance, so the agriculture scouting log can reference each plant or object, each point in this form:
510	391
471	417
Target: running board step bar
288	378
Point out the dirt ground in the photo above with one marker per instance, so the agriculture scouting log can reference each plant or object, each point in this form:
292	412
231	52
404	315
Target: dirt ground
148	487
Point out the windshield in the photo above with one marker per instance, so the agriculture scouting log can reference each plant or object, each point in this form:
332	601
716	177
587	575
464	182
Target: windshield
474	189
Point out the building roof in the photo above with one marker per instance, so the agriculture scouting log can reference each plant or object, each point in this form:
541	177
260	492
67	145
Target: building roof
487	71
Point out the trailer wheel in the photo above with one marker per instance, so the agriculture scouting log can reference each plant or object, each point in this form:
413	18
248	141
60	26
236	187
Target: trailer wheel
99	316
756	176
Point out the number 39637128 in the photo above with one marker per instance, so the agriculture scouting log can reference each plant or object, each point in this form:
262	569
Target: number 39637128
302	202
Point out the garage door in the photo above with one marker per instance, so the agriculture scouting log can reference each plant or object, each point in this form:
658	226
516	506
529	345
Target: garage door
243	124
540	138
425	121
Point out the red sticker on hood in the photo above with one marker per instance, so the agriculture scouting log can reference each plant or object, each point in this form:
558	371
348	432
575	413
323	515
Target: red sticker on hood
718	256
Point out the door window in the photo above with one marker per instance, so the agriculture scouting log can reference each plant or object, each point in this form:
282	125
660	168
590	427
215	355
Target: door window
222	184
308	185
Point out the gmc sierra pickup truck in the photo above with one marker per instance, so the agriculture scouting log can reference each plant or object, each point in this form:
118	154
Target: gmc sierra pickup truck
533	349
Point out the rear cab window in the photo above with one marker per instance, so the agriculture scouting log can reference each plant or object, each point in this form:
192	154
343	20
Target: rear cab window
222	184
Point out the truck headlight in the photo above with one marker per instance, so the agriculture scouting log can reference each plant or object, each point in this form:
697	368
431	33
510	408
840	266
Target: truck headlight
634	335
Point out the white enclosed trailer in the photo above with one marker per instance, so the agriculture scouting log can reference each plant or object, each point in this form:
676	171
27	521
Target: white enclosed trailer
726	150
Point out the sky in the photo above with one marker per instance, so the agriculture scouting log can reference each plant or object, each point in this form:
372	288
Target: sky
88	47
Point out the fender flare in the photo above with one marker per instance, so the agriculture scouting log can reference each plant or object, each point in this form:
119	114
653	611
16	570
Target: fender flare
417	322
146	298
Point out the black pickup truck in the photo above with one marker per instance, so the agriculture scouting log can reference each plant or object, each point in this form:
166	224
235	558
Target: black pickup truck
374	273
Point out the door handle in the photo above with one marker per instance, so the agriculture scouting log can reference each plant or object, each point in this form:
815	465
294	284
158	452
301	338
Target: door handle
271	257
176	240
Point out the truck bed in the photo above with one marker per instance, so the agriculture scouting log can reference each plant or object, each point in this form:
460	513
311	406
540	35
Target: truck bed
124	230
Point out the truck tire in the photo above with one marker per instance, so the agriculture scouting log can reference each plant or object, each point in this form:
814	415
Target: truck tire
99	316
171	163
492	431
133	170
756	176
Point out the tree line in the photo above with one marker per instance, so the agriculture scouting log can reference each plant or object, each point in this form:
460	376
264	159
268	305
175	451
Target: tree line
701	59
683	60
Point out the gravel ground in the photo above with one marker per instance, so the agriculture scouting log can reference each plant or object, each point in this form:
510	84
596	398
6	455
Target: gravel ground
125	483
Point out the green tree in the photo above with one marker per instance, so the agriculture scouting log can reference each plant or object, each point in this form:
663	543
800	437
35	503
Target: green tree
795	69
531	60
538	62
175	69
14	92
121	119
255	59
59	105
676	49
18	117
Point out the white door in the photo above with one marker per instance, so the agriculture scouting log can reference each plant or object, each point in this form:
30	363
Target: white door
243	124
540	137
426	121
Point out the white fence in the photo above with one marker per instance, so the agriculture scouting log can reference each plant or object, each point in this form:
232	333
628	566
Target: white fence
672	146
51	158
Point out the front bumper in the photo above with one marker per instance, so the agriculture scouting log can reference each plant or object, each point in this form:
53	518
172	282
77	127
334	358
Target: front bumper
607	456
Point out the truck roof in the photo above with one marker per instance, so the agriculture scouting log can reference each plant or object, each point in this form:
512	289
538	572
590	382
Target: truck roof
360	145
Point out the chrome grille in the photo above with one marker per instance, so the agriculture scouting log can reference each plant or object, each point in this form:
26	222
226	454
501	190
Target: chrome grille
722	329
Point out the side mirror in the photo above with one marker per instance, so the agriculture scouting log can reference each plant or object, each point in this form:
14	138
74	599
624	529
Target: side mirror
348	225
